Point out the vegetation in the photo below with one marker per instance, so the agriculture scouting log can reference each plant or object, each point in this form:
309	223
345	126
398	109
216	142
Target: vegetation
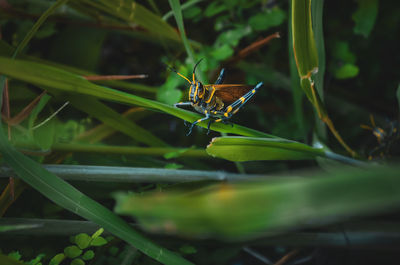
91	140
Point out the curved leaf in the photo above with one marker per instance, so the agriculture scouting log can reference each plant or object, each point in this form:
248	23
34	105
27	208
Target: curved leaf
248	149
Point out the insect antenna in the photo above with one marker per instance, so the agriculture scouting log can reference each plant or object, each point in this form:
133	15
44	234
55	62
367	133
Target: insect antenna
194	69
176	72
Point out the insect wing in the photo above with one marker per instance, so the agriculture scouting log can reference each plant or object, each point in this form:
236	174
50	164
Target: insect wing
229	93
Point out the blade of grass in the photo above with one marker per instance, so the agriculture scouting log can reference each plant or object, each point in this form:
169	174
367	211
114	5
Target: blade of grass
5	260
73	200
177	11
306	56
274	206
138	174
48	76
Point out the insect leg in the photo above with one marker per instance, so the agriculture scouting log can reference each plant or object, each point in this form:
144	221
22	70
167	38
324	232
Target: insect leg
235	106
221	76
199	120
183	104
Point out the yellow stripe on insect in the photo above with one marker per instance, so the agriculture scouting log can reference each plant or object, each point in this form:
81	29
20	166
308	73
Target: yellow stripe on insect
253	91
199	120
229	109
226	114
242	99
211	95
218	120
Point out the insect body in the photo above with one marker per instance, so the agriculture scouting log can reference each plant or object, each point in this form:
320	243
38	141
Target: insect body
218	102
386	138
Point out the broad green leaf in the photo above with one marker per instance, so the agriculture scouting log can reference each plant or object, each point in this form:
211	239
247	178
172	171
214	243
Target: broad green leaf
64	81
365	16
250	149
222	53
267	19
240	210
304	47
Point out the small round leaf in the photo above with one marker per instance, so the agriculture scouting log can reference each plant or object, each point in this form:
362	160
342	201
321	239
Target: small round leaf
57	259
72	251
77	262
88	255
82	240
98	241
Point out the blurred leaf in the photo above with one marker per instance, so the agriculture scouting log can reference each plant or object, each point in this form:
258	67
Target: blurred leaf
250	149
214	8
232	36
398	96
347	71
192	12
365	17
222	53
341	51
5	260
271	18
187	249
44	136
249	210
57	259
77	262
88	255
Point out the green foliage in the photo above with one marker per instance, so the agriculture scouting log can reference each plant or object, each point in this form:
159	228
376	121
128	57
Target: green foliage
365	17
134	124
268	19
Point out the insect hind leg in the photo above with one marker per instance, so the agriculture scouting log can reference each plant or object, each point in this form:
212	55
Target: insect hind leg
235	106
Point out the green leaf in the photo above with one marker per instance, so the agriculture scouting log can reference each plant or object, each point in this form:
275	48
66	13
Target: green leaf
271	18
233	36
250	149
45	134
98	241
97	233
88	255
222	53
398	96
365	17
214	8
82	240
6	260
77	262
70	198
274	205
72	251
347	71
36	261
57	259
15	255
187	249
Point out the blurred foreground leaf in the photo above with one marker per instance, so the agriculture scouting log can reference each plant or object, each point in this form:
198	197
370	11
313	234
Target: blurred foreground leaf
249	210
